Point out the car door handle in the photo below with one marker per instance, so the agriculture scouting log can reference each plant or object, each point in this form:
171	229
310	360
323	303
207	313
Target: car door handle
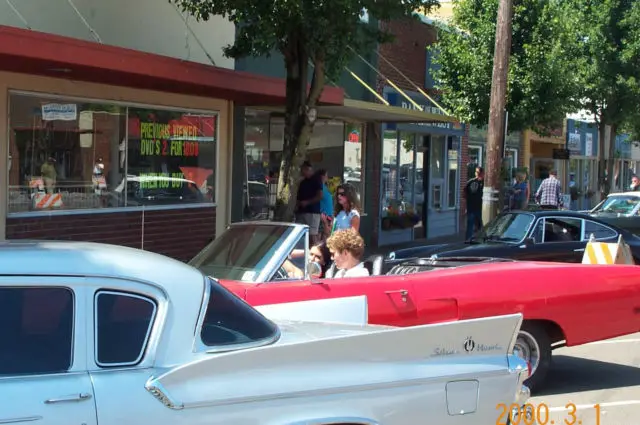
402	292
69	398
579	250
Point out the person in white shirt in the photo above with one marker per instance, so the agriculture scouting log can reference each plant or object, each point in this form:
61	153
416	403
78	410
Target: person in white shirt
347	247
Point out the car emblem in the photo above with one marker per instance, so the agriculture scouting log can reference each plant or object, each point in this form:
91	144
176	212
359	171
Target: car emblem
469	344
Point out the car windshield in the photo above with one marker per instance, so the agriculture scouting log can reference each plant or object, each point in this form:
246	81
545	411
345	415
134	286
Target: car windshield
241	252
510	227
229	320
621	204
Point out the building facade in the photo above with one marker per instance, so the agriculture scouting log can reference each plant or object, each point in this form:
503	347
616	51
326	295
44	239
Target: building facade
109	144
421	168
346	141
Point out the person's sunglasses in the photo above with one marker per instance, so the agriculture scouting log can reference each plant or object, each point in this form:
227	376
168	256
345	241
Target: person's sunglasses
341	194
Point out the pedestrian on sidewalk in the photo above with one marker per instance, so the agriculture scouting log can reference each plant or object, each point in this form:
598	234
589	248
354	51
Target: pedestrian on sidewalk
347	211
549	194
473	196
309	196
326	205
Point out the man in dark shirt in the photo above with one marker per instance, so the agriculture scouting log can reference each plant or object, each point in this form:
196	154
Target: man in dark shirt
473	195
308	205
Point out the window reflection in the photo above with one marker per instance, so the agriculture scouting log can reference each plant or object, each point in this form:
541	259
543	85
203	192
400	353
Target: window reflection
70	154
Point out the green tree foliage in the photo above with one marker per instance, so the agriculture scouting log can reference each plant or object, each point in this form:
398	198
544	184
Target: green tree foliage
320	32
605	55
541	85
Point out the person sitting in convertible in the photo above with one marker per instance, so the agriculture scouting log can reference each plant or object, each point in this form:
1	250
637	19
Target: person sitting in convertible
318	253
347	248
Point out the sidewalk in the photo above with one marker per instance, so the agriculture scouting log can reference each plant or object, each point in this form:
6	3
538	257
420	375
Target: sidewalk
385	249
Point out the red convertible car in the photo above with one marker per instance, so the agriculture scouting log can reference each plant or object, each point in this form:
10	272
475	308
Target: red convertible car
563	304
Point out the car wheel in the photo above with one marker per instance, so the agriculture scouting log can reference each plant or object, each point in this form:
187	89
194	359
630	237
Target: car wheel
534	346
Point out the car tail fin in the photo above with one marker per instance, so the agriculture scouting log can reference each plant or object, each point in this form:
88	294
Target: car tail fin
356	357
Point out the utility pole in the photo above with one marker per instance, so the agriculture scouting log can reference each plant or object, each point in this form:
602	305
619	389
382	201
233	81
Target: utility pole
495	134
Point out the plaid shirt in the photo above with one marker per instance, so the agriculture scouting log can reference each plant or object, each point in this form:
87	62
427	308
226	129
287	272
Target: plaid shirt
550	192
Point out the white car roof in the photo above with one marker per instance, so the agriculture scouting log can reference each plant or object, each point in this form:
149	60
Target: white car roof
636	194
66	258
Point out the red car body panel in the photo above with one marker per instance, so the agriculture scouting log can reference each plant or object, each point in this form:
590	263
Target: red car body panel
588	302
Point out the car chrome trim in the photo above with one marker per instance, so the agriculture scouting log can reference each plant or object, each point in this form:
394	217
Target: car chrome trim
514	338
69	398
281	253
147	337
157	390
337	420
357	388
19	420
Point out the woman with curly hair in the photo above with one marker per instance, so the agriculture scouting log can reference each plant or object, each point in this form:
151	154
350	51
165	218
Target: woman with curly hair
347	212
347	247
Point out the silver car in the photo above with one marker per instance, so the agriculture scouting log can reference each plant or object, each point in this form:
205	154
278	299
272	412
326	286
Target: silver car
100	334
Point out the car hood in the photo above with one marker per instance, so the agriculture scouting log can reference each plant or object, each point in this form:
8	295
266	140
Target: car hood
297	331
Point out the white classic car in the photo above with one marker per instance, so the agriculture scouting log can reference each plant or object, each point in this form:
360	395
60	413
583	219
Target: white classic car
101	334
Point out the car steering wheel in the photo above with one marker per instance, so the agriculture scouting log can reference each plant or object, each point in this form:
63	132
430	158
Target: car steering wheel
280	274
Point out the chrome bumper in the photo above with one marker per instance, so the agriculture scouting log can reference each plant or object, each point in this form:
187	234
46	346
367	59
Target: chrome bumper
519	367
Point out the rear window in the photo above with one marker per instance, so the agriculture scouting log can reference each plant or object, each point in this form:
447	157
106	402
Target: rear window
229	321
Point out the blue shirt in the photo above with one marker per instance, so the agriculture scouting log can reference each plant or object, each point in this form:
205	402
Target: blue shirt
343	220
326	203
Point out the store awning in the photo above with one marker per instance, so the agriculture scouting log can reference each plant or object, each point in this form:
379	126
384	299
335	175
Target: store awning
361	111
38	53
357	110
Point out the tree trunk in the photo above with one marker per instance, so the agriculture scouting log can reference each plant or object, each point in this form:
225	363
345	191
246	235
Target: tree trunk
297	125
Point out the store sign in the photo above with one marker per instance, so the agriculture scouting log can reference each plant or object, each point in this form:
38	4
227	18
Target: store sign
354	136
588	147
59	111
396	99
574	143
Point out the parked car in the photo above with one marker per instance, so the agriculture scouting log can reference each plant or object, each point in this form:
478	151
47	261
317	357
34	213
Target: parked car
621	210
558	308
101	334
543	235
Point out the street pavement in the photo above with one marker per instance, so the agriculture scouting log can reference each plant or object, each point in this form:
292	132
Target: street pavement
605	374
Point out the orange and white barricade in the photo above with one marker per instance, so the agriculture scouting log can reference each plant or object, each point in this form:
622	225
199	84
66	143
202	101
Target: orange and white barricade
37	183
607	253
99	184
43	201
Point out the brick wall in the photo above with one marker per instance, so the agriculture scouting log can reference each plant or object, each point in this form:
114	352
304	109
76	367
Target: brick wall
179	233
407	53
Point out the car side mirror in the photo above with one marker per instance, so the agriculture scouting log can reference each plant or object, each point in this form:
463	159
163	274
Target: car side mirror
529	241
314	269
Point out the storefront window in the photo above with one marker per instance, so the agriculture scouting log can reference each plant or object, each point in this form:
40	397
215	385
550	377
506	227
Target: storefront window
73	154
389	171
354	158
406	181
475	159
510	164
256	161
452	183
438	166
